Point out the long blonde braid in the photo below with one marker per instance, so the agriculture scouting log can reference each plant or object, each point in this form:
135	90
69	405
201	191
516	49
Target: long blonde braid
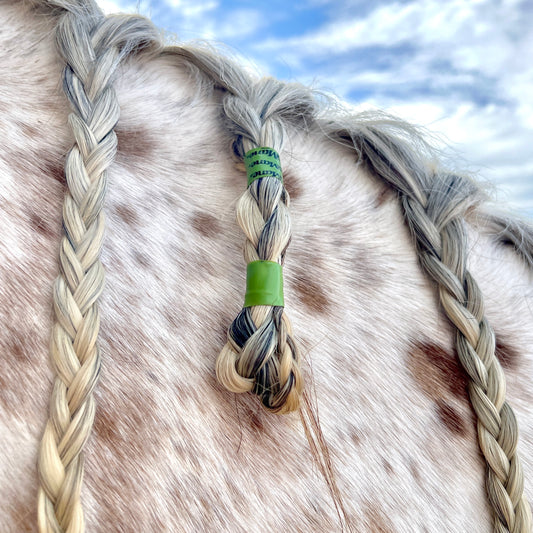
92	47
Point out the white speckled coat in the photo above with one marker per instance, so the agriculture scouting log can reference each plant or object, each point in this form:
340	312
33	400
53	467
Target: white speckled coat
171	450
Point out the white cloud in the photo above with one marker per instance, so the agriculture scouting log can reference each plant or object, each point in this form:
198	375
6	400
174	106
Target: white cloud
388	25
460	68
486	141
240	23
108	7
192	8
466	38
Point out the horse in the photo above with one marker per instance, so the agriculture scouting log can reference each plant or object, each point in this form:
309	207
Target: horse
367	395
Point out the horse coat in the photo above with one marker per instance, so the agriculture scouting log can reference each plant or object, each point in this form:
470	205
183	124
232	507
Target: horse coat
170	448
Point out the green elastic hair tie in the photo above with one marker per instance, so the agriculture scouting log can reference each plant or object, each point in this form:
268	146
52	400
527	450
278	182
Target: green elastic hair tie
264	284
262	163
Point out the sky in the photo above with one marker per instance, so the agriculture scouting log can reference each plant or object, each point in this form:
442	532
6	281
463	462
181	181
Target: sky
463	69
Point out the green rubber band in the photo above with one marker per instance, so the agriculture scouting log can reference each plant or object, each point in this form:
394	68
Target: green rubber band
264	284
262	162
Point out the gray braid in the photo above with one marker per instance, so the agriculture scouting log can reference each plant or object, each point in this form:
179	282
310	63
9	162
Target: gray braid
435	205
441	238
513	232
92	48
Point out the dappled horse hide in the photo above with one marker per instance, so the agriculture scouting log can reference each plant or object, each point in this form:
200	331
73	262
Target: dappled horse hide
396	275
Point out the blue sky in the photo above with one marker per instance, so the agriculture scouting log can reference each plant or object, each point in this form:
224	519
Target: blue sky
461	68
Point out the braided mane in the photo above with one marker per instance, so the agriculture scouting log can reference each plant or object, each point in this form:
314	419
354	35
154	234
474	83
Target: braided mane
437	207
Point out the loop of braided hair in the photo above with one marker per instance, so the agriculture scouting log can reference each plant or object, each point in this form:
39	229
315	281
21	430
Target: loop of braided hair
261	355
92	47
435	204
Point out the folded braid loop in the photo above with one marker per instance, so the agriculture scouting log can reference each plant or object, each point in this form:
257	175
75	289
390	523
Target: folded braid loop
442	241
92	49
260	354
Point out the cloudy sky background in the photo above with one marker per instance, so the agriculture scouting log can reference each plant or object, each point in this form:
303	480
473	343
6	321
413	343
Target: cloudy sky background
461	68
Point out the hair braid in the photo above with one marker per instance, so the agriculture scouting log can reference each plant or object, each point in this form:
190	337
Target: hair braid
261	355
435	204
442	241
92	47
256	114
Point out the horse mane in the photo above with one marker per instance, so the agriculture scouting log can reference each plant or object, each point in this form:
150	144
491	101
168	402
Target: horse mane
437	206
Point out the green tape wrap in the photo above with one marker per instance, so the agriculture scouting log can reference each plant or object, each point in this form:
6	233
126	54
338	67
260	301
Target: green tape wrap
262	163
264	284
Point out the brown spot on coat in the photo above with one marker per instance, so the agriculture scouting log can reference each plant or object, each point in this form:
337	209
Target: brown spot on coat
507	355
55	169
388	467
205	224
41	225
15	348
127	215
311	294
30	131
355	436
367	270
341	234
105	427
451	418
292	185
437	372
415	471
141	259
172	317
133	144
153	377
124	423
256	422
